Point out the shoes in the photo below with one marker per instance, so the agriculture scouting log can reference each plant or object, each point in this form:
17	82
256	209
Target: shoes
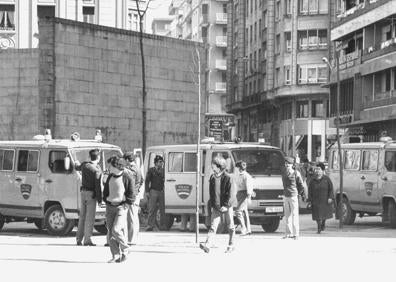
230	249
122	258
294	237
286	237
244	234
113	260
131	244
149	229
203	247
107	245
89	244
79	244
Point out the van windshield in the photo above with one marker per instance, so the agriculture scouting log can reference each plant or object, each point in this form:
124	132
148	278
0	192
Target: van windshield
260	161
82	155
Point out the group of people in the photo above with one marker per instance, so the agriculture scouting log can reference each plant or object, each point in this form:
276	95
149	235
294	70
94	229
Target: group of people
122	192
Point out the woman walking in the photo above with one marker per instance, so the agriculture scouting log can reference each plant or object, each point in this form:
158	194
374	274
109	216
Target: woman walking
321	197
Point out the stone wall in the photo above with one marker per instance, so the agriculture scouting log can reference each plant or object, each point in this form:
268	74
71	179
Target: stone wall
18	93
90	77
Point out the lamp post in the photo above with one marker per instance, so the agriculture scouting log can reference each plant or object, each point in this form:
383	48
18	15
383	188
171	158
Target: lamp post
336	121
198	175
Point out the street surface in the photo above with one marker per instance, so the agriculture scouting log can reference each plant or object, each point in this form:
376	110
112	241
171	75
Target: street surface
365	251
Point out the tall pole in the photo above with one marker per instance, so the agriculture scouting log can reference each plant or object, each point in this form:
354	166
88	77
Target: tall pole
198	174
337	123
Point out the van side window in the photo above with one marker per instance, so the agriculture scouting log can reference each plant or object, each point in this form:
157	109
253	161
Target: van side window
175	162
390	160
370	160
227	157
6	160
352	159
56	161
27	160
190	162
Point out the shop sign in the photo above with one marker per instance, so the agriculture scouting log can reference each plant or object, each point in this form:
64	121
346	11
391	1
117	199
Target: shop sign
216	129
344	119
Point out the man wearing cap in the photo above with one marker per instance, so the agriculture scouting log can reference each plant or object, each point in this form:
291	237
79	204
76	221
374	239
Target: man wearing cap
293	185
133	210
154	185
90	193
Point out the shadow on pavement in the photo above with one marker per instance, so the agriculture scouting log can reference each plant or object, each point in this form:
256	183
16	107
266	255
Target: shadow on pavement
49	260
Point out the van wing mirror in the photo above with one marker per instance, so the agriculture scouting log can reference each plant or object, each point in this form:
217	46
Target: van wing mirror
67	163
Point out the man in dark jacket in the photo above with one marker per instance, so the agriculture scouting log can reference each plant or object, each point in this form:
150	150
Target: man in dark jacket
118	194
154	185
220	203
90	193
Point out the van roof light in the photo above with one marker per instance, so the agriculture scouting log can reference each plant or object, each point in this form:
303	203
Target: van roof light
47	134
75	136
208	140
385	139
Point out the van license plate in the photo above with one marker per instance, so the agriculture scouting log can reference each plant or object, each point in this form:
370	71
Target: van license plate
273	209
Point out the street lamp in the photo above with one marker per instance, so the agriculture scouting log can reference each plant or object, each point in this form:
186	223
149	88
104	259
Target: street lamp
337	120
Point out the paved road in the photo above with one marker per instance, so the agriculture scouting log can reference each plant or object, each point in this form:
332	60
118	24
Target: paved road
365	251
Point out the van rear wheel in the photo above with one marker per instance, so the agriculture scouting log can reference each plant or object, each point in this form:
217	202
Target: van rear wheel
272	225
392	214
56	222
2	221
102	229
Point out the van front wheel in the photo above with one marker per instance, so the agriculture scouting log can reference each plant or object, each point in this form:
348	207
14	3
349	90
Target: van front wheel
56	222
272	225
348	215
392	214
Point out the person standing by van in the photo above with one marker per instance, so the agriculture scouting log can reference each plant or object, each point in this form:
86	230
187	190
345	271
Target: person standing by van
91	192
220	203
321	197
293	185
133	210
244	192
118	194
154	185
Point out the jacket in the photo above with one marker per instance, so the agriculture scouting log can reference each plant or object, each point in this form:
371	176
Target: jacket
293	184
129	185
225	191
155	179
91	178
319	192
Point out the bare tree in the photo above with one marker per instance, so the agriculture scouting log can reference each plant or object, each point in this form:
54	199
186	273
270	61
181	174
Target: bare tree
142	10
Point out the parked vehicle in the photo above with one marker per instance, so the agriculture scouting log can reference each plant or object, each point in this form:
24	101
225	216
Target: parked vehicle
264	163
39	184
369	180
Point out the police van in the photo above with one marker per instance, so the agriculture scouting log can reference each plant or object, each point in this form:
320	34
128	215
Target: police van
264	163
39	183
369	180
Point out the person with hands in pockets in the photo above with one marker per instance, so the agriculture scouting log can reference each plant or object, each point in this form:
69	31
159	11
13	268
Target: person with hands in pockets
220	203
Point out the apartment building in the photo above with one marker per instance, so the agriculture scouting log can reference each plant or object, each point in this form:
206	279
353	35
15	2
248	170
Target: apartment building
161	26
276	73
19	18
364	37
206	21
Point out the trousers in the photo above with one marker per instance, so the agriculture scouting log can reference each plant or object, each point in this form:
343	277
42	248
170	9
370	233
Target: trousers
291	216
133	223
116	218
215	221
156	200
87	217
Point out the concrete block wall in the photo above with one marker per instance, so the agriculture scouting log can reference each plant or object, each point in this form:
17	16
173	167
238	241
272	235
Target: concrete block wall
97	84
18	94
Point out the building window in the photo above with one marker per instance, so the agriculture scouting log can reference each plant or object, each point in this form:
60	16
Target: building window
7	13
133	20
89	14
288	7
265	19
312	73
287	75
255	31
259	28
288	45
277	11
312	39
277	77
312	7
45	11
302	109
286	111
318	109
277	50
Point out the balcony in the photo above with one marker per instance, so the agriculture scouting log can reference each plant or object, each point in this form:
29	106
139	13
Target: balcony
379	49
350	60
251	100
221	41
221	64
220	86
360	16
221	18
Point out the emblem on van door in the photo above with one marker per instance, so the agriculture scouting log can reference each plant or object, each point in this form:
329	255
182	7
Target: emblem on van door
183	190
26	190
369	188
